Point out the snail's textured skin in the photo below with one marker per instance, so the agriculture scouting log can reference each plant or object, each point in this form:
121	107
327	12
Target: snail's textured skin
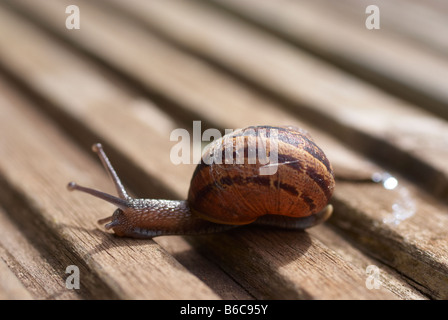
238	194
152	217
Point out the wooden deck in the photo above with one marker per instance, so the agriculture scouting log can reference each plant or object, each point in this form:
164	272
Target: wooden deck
376	101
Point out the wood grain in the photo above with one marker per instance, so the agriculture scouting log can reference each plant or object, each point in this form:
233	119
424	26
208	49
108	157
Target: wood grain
201	266
388	57
348	249
36	268
423	23
10	287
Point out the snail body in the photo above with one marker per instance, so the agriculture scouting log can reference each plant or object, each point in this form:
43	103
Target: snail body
233	186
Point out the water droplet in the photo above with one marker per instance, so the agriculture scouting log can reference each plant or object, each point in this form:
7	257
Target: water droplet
377	177
390	183
404	206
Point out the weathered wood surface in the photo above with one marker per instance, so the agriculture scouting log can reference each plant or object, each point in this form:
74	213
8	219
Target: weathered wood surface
116	82
10	286
35	266
402	57
425	23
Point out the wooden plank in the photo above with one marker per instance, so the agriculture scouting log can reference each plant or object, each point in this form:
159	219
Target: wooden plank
31	263
45	160
10	287
424	23
286	265
391	61
345	281
387	276
408	226
381	126
202	268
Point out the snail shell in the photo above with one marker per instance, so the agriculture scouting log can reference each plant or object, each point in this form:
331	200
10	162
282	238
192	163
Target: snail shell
232	193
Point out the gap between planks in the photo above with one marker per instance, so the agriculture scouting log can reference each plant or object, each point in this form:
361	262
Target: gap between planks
396	58
22	250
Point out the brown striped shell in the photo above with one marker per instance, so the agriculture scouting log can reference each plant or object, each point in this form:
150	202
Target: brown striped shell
237	193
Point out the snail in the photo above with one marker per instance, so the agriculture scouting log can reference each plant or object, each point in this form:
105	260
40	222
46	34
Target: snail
225	195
